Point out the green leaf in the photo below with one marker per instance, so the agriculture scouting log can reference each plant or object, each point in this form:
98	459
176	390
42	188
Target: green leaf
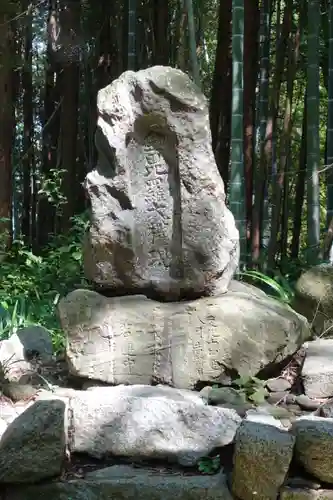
209	465
77	255
277	290
259	396
242	381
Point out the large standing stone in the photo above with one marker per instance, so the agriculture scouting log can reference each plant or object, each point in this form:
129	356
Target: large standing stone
135	340
159	220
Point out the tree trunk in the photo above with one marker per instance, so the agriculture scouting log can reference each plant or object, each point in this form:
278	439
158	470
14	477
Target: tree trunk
107	46
300	188
285	141
313	142
161	23
46	204
277	187
220	103
131	49
195	71
28	129
329	135
69	91
260	175
7	122
237	180
251	29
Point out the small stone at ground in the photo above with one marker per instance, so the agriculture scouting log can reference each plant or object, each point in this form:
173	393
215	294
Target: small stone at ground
326	409
300	482
241	409
278	384
261	416
294	409
204	393
228	395
281	397
275	411
307	403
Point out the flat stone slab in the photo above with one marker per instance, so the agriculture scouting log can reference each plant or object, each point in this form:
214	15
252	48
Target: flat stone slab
317	371
125	482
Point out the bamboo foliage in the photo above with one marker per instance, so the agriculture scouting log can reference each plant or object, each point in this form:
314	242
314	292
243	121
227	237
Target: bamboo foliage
313	146
329	155
131	49
237	185
192	43
260	210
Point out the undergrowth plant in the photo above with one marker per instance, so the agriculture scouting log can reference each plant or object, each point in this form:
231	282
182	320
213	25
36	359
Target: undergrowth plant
31	285
273	283
253	388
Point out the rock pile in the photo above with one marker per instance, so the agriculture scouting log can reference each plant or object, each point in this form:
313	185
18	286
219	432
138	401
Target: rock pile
150	440
161	251
158	434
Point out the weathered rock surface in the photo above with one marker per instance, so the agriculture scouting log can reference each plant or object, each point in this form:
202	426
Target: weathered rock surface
317	370
314	297
135	340
314	445
32	448
262	456
159	220
16	351
126	483
288	493
325	409
307	403
148	422
278	384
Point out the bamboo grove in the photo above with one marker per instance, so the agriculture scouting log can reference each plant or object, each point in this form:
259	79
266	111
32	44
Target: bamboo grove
266	67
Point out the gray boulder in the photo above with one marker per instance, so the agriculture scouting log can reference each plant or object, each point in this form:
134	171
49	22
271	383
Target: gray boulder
135	340
262	456
159	221
32	448
314	446
314	298
148	422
